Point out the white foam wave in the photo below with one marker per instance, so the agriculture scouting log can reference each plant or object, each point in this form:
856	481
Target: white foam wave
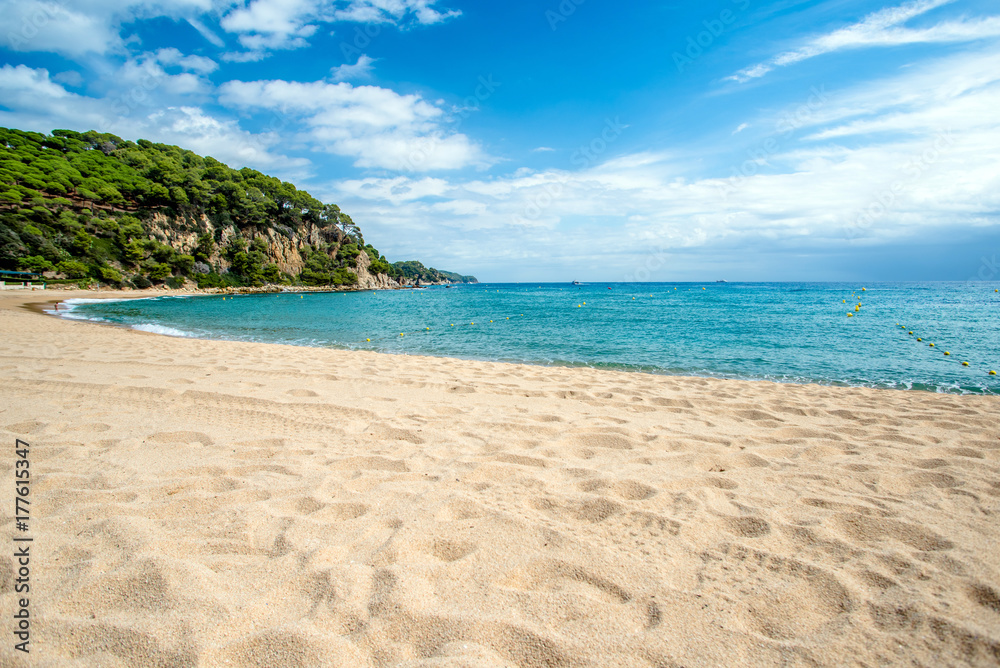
160	329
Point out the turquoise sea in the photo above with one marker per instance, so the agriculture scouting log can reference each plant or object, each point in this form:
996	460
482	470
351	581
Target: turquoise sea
791	332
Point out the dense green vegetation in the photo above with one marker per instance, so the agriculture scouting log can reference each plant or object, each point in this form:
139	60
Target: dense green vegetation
415	270
95	207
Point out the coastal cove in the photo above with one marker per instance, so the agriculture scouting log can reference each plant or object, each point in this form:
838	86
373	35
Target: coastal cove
786	332
210	502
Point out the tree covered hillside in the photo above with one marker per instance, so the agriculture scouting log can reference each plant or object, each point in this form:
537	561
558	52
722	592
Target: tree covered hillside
93	206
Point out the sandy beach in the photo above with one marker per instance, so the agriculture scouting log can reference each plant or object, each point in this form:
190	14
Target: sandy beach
209	503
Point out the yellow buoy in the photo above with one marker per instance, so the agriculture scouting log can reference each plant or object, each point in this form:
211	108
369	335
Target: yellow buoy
508	318
367	339
491	321
850	315
911	332
947	353
919	339
427	328
993	373
400	333
864	289
932	345
843	301
633	297
703	288
965	364
300	296
584	303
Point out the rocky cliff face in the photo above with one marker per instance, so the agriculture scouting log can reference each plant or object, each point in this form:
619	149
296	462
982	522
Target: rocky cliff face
284	246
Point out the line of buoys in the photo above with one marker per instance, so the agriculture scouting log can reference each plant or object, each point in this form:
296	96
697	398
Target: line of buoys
947	353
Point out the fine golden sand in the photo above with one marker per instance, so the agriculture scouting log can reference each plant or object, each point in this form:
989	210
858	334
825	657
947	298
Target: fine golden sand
204	503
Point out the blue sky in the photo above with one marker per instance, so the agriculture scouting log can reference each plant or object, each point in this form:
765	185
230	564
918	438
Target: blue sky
582	139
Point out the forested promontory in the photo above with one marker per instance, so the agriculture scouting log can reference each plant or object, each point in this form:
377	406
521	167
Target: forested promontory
93	208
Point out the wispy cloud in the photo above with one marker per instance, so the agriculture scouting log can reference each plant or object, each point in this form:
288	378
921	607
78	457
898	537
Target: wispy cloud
359	70
740	128
881	28
270	25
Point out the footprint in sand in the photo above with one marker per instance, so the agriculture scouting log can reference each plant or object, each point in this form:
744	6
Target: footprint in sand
452	550
746	527
302	393
777	597
868	529
180	437
26	427
564	577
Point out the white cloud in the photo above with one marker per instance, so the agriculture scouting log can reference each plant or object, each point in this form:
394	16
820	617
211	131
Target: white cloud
740	128
392	11
359	70
199	64
881	28
83	27
264	25
376	126
34	102
37	25
542	149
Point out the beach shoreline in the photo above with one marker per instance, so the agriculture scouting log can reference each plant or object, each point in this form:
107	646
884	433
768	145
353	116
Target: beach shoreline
206	502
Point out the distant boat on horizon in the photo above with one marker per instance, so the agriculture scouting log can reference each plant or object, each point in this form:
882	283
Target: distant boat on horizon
722	281
577	283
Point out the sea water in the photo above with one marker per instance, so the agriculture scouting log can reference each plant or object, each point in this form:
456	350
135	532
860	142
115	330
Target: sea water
787	332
